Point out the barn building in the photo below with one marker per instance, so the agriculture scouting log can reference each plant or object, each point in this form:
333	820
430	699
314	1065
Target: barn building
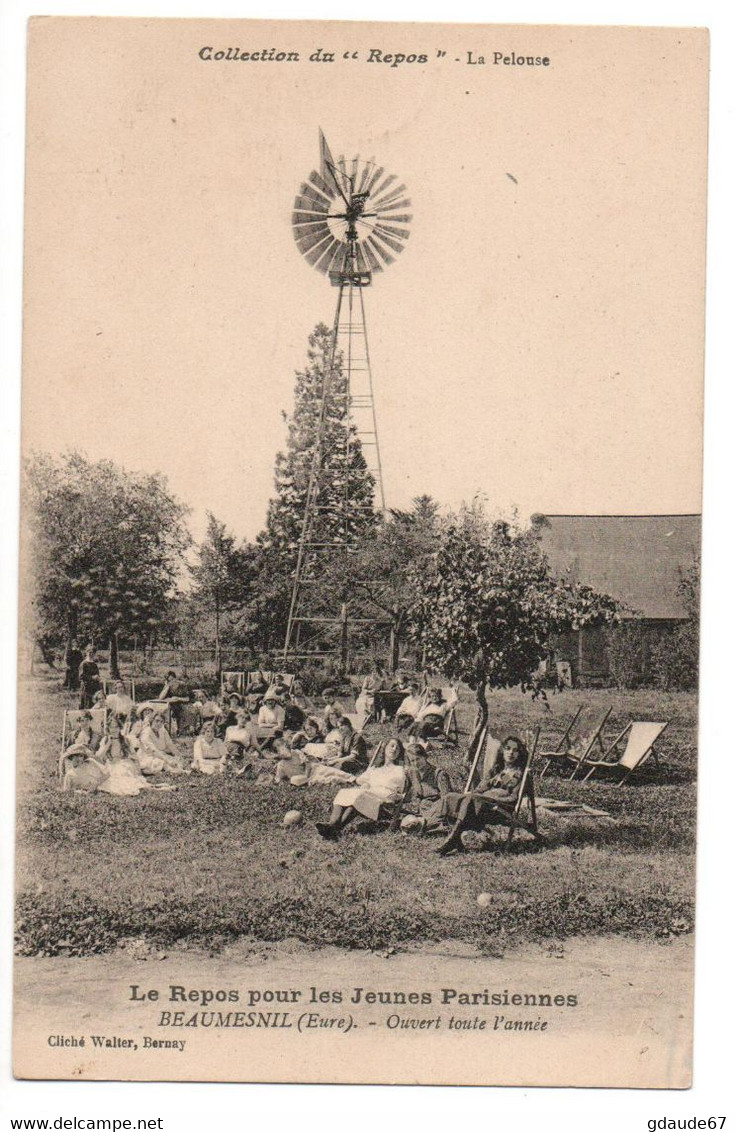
637	559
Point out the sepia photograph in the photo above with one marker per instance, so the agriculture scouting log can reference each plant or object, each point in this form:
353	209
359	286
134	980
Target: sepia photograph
360	552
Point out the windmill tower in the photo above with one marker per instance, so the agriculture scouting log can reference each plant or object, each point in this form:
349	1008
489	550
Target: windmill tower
350	221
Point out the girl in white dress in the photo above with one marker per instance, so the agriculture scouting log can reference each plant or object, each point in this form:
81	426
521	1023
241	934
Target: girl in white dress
157	746
376	787
209	756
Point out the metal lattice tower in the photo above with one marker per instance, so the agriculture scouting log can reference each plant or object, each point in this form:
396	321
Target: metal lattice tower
348	245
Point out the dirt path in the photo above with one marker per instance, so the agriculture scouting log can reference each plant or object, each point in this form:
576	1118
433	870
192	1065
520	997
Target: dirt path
622	1016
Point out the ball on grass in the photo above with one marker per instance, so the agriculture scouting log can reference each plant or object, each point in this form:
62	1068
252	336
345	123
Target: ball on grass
483	899
292	817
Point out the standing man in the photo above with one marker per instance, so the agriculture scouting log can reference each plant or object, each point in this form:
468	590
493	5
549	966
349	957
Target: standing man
72	659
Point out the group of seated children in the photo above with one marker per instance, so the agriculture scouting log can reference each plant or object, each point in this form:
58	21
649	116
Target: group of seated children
405	786
116	763
424	714
268	737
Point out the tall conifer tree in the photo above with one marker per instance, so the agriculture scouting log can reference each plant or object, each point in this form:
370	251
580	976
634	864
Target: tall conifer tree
346	495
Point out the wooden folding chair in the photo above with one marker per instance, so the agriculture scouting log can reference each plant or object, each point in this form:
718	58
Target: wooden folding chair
562	743
233	678
567	756
641	739
516	819
450	724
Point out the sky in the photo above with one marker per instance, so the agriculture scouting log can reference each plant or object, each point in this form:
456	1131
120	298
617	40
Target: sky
539	340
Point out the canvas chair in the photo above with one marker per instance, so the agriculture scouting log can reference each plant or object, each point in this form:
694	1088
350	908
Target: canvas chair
358	720
562	743
566	757
108	683
253	677
72	719
641	739
238	678
523	818
450	732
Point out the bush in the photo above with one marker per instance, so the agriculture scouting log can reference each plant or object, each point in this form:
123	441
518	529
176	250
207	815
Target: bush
674	659
628	654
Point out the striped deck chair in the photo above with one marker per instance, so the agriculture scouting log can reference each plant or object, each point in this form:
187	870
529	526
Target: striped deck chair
570	757
641	739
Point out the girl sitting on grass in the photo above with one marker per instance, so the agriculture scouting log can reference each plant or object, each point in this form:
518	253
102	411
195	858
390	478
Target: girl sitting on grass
209	756
156	744
124	774
376	787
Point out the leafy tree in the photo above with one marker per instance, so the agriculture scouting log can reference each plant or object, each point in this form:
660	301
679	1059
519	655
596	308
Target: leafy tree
220	578
104	548
487	603
379	571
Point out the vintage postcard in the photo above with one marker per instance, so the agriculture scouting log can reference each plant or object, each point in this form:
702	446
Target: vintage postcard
360	552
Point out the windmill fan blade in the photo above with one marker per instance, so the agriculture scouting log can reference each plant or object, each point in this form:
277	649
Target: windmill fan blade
385	209
395	245
354	172
305	218
303	235
370	255
381	189
398	233
396	218
318	250
313	239
313	213
365	173
337	259
377	173
382	200
310	198
321	184
324	261
380	250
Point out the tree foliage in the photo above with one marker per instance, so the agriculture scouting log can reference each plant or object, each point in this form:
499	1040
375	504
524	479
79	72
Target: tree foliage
105	547
674	660
344	510
346	487
487	603
222	577
380	579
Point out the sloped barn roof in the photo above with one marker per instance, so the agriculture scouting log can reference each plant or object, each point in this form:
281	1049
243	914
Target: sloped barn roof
638	559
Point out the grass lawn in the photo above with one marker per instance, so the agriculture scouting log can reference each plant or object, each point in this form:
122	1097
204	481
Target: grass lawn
211	862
